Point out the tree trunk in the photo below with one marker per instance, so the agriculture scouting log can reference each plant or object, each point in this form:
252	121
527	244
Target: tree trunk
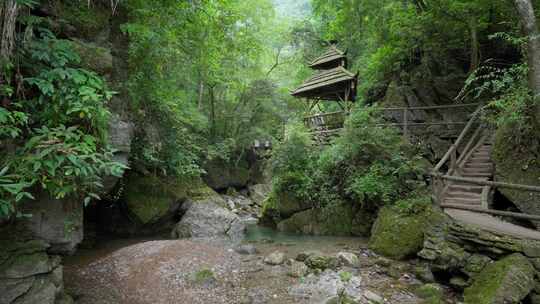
475	45
201	91
212	113
8	16
528	21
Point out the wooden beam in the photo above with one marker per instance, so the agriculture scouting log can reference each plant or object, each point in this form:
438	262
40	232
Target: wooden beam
481	182
493	212
468	105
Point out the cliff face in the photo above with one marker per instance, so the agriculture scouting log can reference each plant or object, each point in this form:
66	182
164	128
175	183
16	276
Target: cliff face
427	85
518	163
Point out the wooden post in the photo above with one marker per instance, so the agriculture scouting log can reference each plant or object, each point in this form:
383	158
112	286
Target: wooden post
405	123
453	160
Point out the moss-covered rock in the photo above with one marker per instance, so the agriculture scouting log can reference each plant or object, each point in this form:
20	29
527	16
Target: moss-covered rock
221	175
431	292
518	164
89	21
150	198
508	280
335	220
93	57
397	234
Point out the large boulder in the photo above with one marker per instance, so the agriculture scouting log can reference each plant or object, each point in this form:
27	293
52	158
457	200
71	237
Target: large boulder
337	220
508	280
28	274
208	220
398	234
59	222
259	192
327	286
518	164
221	175
152	199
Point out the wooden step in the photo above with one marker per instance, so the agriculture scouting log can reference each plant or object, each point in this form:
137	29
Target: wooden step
463	201
464	195
472	165
477	170
464	205
476	175
480	159
465	188
481	154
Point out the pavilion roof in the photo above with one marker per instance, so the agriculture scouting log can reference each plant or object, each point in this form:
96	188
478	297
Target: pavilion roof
329	85
332	58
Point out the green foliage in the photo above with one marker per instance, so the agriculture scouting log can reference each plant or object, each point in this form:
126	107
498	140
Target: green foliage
367	164
201	102
57	129
11	123
345	276
370	163
389	37
67	96
66	161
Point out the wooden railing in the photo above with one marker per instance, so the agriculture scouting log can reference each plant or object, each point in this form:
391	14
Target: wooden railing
477	133
328	123
406	114
459	152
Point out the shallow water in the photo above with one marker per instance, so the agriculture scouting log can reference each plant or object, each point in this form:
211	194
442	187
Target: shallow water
267	239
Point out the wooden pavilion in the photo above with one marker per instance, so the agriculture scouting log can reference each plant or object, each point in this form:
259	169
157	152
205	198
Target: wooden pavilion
331	82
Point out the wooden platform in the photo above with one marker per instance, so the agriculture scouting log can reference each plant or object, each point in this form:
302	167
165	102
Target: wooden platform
493	224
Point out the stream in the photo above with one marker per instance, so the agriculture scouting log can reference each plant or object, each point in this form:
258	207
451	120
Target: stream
162	271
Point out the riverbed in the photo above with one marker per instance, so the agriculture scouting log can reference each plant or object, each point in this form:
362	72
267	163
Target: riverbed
161	271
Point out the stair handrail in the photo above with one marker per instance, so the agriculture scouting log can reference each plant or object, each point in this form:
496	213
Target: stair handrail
451	153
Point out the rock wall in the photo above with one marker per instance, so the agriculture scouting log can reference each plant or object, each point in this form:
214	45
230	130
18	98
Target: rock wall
490	267
428	86
29	275
518	163
59	222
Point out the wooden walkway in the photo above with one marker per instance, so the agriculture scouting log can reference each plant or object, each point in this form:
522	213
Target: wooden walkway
465	191
491	223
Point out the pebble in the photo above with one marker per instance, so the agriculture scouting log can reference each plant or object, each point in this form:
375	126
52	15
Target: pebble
373	297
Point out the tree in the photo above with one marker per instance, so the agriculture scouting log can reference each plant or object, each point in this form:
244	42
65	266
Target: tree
526	13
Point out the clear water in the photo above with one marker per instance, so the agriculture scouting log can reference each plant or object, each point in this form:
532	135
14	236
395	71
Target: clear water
270	239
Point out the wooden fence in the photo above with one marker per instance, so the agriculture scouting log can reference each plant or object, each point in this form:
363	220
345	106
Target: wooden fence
330	124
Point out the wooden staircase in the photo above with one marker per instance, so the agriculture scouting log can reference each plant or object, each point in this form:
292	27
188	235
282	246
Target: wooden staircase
478	166
463	191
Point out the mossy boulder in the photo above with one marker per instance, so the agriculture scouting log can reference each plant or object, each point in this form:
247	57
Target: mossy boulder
221	175
431	293
518	163
149	199
508	280
336	220
398	234
94	57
